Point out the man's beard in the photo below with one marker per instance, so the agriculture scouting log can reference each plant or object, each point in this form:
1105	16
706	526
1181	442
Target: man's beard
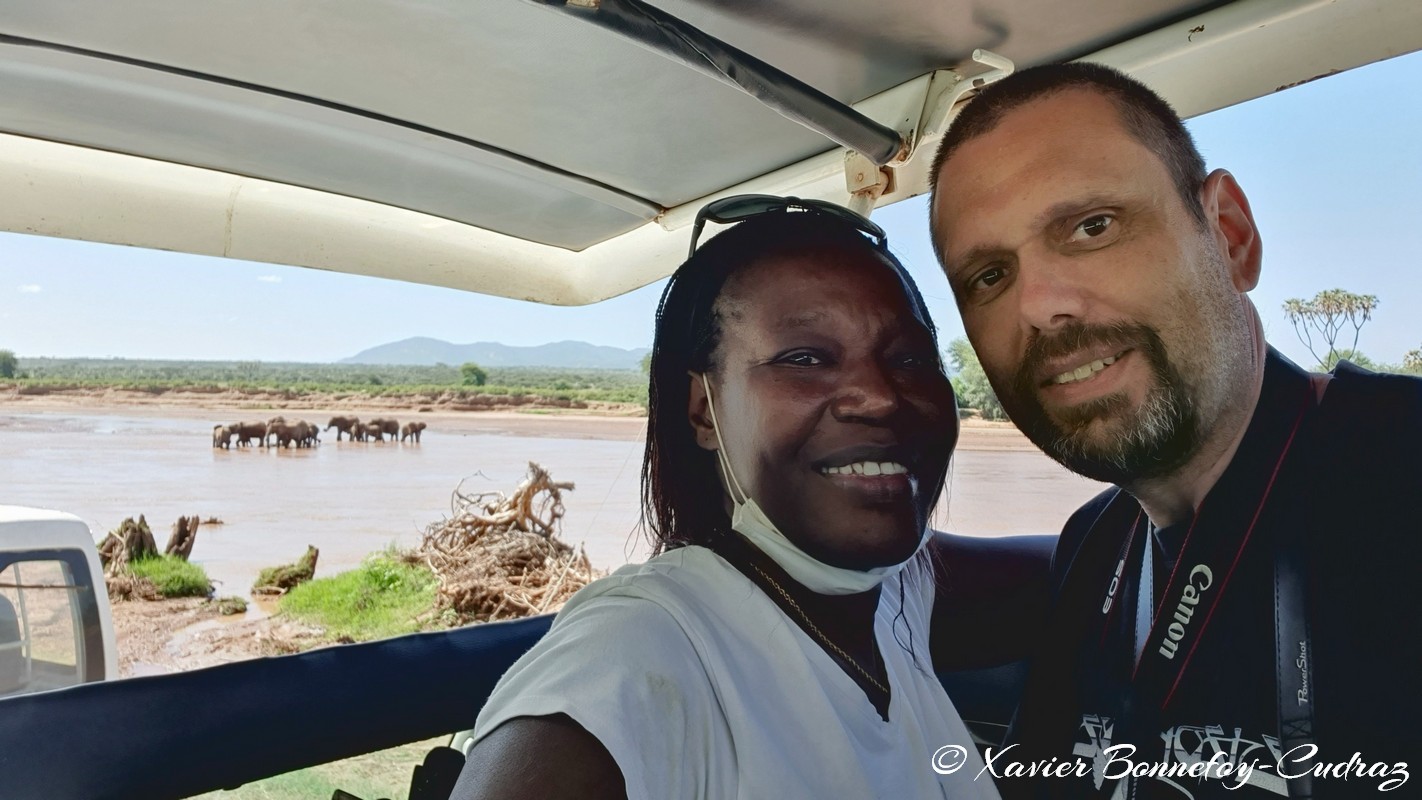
1151	441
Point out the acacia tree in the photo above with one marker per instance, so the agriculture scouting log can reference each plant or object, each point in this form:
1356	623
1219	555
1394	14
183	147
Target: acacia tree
1328	316
9	365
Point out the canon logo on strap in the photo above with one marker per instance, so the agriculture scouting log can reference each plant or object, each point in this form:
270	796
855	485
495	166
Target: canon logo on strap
1201	579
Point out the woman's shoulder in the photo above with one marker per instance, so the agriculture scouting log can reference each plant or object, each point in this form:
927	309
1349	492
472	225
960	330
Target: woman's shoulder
653	612
678	580
623	663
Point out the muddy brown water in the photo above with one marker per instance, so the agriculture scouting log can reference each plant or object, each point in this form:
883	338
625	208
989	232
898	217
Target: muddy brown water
350	499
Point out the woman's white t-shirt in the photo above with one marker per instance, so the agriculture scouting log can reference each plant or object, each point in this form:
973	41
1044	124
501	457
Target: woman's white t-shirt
699	686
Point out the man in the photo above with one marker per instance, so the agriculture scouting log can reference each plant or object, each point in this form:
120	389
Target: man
1238	613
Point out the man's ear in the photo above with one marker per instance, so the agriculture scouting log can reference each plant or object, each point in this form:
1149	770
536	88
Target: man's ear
1232	225
698	413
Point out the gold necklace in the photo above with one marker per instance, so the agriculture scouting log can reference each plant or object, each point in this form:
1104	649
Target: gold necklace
819	633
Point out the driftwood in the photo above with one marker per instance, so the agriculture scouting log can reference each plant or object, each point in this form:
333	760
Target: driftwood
499	557
280	580
180	542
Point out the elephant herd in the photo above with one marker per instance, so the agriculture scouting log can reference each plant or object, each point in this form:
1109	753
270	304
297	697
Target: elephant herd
278	432
376	429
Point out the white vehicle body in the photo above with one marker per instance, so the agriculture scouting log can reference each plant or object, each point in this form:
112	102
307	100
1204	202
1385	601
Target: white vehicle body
55	625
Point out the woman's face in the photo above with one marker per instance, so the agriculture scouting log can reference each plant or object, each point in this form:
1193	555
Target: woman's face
834	415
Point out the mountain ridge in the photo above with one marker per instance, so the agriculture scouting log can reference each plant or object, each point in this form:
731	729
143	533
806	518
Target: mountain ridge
568	354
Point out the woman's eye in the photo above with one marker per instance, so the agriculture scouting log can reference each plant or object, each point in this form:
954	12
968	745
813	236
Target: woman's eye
1092	227
802	360
914	360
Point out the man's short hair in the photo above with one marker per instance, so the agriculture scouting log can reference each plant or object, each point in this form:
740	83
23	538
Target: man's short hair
1145	115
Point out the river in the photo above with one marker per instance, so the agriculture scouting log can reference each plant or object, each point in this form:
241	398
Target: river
349	499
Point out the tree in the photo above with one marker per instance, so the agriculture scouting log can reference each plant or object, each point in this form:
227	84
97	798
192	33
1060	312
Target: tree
473	374
971	383
9	365
1327	315
646	364
1412	361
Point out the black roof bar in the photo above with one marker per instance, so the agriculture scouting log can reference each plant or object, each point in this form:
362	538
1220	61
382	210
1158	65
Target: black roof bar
792	98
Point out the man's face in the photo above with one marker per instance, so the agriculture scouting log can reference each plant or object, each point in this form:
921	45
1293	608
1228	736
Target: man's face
1103	311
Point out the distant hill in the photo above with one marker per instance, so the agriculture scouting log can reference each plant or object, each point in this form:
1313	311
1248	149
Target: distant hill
426	351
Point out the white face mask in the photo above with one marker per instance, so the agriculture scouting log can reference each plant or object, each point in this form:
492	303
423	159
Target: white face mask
751	522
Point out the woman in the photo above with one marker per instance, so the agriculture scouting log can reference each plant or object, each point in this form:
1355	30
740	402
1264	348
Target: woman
799	431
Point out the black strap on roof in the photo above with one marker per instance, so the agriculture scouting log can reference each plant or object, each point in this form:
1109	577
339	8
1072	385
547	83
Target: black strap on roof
792	98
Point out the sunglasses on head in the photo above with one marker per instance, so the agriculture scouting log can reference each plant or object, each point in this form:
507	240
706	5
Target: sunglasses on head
742	207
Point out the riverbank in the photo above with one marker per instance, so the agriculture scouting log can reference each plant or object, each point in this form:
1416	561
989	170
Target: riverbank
529	417
161	636
237	400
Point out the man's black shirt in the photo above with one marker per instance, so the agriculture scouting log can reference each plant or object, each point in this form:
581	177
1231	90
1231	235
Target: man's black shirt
1351	488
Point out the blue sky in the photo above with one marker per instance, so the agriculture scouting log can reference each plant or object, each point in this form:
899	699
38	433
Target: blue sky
1333	170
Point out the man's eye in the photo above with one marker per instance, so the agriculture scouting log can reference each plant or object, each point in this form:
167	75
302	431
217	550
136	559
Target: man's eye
986	279
1092	227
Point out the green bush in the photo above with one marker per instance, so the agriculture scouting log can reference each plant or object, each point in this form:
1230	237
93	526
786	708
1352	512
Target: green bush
173	576
1355	357
43	375
380	598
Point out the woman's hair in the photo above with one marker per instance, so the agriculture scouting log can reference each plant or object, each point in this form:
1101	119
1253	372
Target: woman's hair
682	499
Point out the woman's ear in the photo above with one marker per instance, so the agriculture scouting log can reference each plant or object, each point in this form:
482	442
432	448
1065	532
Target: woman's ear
698	412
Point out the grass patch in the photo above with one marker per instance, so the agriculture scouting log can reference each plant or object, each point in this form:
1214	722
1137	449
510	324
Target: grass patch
382	774
228	606
173	576
382	597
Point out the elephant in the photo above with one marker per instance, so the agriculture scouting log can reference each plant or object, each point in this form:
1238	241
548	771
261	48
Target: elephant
277	420
411	431
372	430
248	432
346	425
389	427
222	437
298	433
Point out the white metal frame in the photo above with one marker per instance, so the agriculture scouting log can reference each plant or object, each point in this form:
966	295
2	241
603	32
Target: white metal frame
1234	53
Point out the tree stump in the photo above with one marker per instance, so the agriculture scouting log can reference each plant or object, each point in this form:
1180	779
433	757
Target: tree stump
280	580
180	542
132	541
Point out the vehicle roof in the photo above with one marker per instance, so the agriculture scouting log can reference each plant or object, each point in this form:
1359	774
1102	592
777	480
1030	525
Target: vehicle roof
29	529
525	150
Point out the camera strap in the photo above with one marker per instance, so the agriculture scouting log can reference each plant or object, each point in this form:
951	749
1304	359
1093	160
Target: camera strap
1165	642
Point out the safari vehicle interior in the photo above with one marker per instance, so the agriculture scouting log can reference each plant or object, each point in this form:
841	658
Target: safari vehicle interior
554	151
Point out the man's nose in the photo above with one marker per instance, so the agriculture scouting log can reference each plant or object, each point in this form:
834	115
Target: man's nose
866	391
1051	291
